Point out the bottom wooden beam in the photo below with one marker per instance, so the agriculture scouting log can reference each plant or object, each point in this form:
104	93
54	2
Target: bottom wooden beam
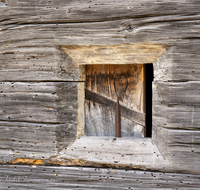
52	177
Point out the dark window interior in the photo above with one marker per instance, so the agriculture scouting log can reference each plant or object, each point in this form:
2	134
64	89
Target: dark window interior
149	80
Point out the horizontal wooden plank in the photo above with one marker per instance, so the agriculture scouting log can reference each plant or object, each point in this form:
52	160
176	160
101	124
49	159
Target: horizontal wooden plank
36	119
180	63
180	147
33	140
177	93
126	112
82	11
52	177
112	32
39	102
37	64
52	63
176	116
115	54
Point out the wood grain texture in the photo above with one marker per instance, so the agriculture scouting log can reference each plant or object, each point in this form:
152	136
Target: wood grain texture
88	11
18	37
38	102
176	122
36	64
130	114
103	84
52	177
37	119
177	93
180	148
132	152
115	54
33	35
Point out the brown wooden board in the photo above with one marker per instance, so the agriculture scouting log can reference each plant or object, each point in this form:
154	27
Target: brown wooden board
110	81
128	113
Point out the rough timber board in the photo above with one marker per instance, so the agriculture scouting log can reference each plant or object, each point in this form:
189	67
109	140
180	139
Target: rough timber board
46	102
180	148
176	122
52	177
33	140
37	64
175	64
177	93
22	11
170	116
131	114
34	24
37	119
130	152
109	81
176	105
115	54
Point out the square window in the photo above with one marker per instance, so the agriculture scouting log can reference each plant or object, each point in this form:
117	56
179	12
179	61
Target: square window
104	83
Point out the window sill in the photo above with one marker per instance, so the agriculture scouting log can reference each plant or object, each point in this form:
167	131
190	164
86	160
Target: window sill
139	153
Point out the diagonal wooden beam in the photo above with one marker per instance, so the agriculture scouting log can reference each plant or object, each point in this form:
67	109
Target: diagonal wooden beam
126	112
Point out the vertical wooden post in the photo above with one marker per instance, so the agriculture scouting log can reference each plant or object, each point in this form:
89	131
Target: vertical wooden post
117	119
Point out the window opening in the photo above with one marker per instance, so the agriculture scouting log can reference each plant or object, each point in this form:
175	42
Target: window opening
103	84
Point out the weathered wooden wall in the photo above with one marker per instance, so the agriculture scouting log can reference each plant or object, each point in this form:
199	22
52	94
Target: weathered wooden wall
33	61
37	118
52	177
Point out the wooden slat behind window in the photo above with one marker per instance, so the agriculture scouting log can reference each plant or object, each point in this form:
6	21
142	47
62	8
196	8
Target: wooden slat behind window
108	81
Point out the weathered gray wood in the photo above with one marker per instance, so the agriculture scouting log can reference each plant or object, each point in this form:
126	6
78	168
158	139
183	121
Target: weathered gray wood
180	148
176	122
82	11
52	177
101	122
39	102
37	119
177	93
185	65
183	61
176	116
33	35
130	152
37	64
28	140
34	140
139	153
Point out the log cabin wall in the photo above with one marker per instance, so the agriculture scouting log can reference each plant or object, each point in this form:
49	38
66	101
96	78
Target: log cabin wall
39	78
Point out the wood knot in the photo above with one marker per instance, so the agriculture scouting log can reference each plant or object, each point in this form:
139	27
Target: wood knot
129	28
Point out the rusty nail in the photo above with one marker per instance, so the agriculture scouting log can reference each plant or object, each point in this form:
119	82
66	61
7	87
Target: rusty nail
117	120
